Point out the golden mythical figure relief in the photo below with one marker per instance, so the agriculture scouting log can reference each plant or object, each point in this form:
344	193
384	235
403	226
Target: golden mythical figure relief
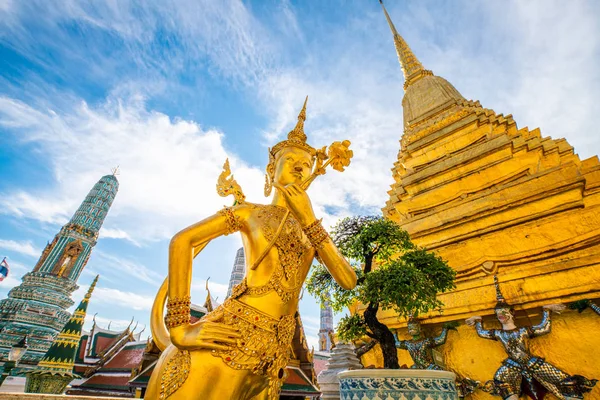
241	348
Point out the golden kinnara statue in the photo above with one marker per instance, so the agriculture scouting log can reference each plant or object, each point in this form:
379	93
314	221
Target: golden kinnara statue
240	350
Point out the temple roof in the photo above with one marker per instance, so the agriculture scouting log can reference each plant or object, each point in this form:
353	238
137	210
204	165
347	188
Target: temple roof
297	383
116	372
127	359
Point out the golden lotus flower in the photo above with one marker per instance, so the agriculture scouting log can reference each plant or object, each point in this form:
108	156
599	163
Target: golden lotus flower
340	155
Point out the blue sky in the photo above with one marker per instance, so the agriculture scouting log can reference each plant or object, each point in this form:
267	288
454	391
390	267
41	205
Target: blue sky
169	89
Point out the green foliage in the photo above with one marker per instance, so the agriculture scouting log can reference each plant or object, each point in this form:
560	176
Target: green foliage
321	283
393	273
351	327
409	284
359	238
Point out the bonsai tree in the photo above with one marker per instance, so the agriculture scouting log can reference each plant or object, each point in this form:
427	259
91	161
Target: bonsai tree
393	273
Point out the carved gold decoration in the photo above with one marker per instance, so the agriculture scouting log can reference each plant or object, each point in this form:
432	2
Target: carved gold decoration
263	345
175	374
68	257
316	234
227	185
232	220
178	311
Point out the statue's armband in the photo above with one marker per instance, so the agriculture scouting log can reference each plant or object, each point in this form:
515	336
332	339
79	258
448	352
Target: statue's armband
234	223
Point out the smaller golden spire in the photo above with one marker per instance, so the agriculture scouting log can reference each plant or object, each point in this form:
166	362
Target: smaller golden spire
88	295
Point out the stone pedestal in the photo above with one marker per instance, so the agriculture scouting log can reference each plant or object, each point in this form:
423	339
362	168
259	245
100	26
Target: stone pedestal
342	359
397	384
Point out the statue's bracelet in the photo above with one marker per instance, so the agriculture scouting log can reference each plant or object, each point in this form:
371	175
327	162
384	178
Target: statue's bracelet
178	311
316	234
173	321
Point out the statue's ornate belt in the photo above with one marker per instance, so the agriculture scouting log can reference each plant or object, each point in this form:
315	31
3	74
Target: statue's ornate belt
264	342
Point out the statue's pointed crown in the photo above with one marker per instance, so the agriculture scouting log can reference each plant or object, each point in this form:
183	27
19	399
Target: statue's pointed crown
500	300
296	137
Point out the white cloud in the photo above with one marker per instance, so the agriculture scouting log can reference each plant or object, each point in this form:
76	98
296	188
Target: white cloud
226	32
313	342
121	265
169	166
25	248
40	207
114	297
117	233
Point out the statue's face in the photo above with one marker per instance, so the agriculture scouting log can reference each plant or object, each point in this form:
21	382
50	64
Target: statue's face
414	328
292	165
504	315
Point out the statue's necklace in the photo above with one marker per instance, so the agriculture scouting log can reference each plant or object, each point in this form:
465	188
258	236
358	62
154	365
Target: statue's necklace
289	243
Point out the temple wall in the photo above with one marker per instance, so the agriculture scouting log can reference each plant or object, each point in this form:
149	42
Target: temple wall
573	346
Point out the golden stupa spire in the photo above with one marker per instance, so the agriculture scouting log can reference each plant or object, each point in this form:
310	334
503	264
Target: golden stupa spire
411	66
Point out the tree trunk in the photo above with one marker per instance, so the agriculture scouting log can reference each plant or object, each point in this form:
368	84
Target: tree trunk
384	336
365	348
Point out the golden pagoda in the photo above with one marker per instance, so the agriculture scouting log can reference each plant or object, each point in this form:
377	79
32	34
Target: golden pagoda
491	198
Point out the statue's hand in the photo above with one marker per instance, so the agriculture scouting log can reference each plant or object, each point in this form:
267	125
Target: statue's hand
204	335
557	308
298	202
453	325
473	320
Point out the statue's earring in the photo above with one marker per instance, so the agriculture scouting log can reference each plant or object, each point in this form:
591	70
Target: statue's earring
269	176
268	185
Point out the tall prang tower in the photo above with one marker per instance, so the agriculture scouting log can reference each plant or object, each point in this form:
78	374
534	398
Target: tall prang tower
239	269
326	327
37	308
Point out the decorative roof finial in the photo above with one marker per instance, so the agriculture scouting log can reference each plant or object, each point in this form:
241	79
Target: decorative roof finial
411	66
130	323
208	302
115	171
